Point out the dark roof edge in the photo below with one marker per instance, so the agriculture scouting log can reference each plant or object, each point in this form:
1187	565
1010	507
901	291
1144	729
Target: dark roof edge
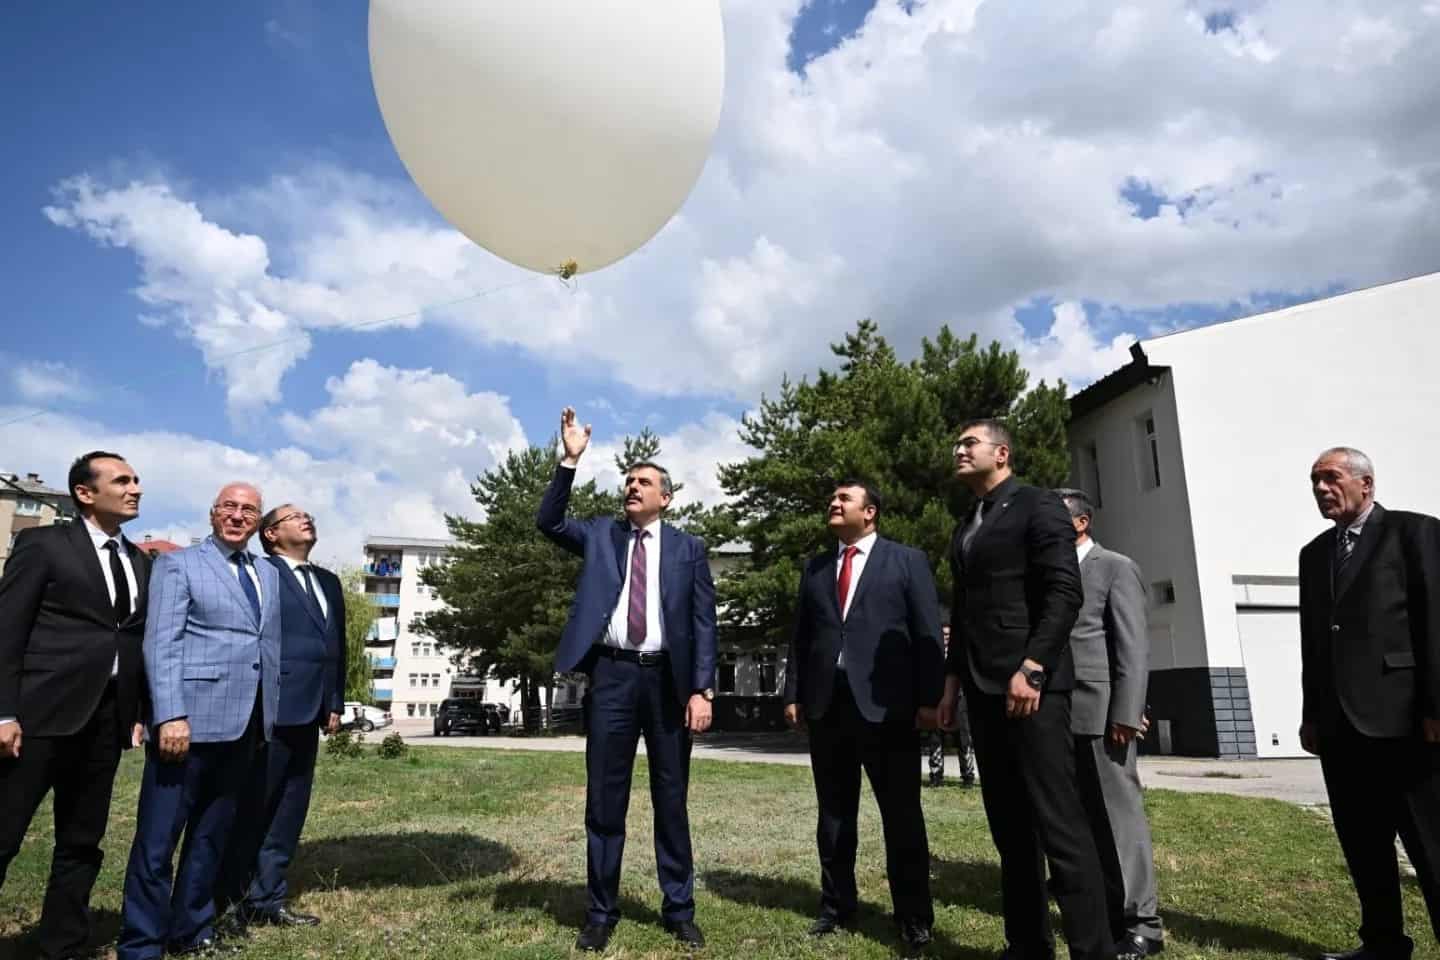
1116	384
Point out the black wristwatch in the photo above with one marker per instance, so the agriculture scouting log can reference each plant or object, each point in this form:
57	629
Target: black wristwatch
1036	677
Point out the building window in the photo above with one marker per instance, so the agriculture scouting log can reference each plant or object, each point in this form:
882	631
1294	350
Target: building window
1162	592
1149	452
1090	474
409	709
25	507
725	674
433	708
414	649
412	679
766	663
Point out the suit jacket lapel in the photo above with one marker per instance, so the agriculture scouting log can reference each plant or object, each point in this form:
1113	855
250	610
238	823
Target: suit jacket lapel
220	565
269	592
289	582
140	564
879	553
669	558
993	514
620	537
830	581
1373	530
102	608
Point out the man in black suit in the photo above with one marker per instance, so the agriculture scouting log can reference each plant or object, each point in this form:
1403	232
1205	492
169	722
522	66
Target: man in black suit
1017	594
312	698
72	615
642	626
863	671
1370	674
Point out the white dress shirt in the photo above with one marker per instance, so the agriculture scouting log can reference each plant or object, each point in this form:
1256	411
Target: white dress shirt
1081	549
618	632
249	568
295	566
99	538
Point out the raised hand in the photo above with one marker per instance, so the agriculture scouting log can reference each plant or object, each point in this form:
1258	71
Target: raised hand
573	437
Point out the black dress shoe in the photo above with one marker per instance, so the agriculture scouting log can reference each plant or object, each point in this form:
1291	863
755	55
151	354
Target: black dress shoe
281	917
594	937
1136	947
686	932
1365	953
202	947
828	923
915	934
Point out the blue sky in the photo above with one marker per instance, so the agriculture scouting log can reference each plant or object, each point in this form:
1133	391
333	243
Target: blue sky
1061	180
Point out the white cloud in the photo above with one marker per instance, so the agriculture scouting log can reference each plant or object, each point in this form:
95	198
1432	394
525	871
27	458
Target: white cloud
692	455
1071	351
48	383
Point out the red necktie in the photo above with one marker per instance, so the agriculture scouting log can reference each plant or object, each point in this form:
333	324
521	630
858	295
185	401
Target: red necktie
635	621
842	586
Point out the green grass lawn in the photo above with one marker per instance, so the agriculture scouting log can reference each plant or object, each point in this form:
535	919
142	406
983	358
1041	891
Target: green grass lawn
475	853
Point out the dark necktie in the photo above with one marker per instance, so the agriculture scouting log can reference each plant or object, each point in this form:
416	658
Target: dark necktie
1344	549
968	537
247	586
122	583
310	590
635	623
842	584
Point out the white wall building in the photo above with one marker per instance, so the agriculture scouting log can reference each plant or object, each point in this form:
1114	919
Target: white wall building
1197	455
412	673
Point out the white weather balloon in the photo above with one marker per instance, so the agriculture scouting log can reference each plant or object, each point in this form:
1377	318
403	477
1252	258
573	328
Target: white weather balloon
558	134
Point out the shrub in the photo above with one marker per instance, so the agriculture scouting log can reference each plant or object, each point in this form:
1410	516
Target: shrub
345	745
393	747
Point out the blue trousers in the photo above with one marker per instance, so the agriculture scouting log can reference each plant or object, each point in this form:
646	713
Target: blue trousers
197	797
627	700
270	821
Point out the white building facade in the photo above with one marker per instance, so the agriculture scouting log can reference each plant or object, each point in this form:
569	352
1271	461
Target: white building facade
1197	456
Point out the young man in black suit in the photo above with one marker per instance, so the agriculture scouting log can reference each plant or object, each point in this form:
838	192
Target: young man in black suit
1017	594
72	614
863	671
1370	673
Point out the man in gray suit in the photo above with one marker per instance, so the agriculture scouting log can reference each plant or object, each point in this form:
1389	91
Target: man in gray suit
212	660
1112	669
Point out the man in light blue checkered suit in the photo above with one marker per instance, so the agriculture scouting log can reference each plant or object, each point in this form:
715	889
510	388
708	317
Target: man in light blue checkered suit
212	662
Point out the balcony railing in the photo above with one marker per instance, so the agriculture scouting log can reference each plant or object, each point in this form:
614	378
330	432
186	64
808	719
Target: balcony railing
384	631
384	599
381	693
383	663
390	570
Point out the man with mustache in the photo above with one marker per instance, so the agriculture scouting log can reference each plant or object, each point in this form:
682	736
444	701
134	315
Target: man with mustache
643	627
312	697
212	661
864	669
1370	675
72	613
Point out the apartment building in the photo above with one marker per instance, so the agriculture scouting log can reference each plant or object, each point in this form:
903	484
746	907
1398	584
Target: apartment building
28	502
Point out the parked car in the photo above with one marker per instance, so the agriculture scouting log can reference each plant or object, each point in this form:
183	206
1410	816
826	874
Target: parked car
501	710
466	716
364	717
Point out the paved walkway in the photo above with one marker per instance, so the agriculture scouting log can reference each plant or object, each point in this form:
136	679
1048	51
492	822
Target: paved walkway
1296	781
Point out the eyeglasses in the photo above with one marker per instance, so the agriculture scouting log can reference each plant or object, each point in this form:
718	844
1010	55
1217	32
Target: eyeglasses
244	509
302	517
970	443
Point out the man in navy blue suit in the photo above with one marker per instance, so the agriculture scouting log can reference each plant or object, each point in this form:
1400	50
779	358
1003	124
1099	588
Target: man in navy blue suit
312	693
643	628
865	668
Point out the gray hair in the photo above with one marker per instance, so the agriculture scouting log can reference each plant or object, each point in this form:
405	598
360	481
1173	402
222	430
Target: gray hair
1077	502
666	487
1356	460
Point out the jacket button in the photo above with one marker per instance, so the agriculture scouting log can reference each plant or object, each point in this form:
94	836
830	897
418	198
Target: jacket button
1334	628
254	666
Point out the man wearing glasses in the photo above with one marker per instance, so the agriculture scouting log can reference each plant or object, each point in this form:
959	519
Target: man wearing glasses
312	697
212	661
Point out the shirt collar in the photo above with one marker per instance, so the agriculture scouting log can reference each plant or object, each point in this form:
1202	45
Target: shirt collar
1082	549
1358	524
865	544
652	528
1001	491
100	537
291	562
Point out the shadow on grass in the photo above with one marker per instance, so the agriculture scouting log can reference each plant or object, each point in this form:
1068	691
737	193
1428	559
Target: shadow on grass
803	899
422	859
968	883
1203	931
779	742
566	902
104	928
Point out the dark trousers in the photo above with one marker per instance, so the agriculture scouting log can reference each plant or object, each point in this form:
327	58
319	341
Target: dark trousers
80	768
1378	788
1027	780
197	796
628	700
841	744
269	820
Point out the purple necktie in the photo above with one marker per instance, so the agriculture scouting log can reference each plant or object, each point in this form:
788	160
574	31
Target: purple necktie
635	623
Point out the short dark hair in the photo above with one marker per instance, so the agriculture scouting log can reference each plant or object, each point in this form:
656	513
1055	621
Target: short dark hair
270	519
872	496
1077	502
82	472
998	431
666	487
